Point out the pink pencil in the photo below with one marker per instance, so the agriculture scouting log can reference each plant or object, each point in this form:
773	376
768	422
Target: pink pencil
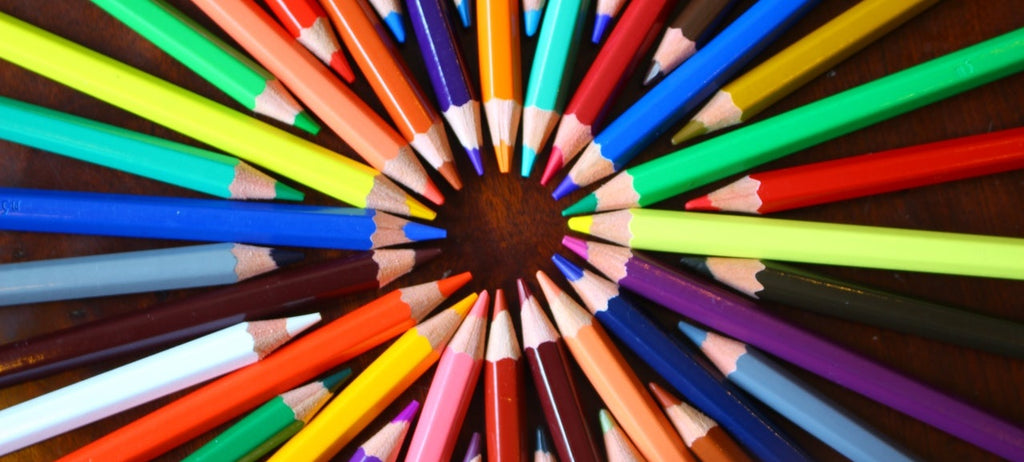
452	388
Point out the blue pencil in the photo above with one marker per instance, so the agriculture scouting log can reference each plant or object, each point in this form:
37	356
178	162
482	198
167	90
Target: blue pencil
682	90
205	220
447	70
463	7
773	385
681	366
390	11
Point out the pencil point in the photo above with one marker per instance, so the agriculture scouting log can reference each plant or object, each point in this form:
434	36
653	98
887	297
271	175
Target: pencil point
332	381
653	73
607	423
692	129
394	22
287	193
286	257
504	154
473	452
306	123
555	163
464	13
576	245
474	158
698	264
694	333
543	445
531	19
449	285
701	203
418	210
564	188
451	175
419	232
569	270
600	24
586	205
529	156
408	412
341	67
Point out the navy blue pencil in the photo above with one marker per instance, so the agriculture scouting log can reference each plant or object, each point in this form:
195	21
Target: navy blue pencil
682	90
205	220
681	366
448	76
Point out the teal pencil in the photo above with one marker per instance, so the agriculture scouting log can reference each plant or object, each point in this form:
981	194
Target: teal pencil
137	153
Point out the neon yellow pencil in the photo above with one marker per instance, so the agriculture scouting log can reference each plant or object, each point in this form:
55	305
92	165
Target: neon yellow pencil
207	121
376	387
809	242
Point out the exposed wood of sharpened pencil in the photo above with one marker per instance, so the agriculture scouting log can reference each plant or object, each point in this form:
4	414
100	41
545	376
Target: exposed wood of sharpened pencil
692	26
384	445
701	433
617	445
390	11
308	23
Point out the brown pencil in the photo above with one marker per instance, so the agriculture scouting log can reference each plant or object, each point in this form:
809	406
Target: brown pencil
692	25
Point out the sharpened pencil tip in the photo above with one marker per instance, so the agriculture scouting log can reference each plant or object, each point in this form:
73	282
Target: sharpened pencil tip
586	205
464	13
529	156
701	203
576	245
555	162
419	232
408	412
341	67
564	188
531	20
474	158
692	332
600	24
333	381
607	423
287	193
543	445
692	129
695	263
306	123
569	270
394	22
653	73
286	257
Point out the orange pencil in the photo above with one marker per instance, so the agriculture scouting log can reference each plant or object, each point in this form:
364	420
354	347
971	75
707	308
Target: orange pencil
225	398
330	99
308	23
613	378
394	85
701	434
500	74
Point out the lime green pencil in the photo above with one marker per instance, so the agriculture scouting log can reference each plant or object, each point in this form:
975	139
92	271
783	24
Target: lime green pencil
287	412
809	242
809	125
550	73
211	58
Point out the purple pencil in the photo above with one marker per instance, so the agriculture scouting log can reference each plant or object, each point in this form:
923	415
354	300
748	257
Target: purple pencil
733	315
448	77
473	452
384	445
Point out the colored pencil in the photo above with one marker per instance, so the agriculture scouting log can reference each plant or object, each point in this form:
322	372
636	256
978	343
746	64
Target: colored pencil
606	11
799	288
682	90
613	378
390	11
473	452
741	318
376	387
503	388
207	220
134	272
393	83
149	378
354	121
463	7
500	74
809	242
210	57
543	451
681	366
548	86
700	433
446	68
384	445
186	318
806	126
690	28
452	388
617	445
869	174
197	117
297	405
137	153
553	380
791	68
272	443
603	81
221	400
772	384
532	11
307	21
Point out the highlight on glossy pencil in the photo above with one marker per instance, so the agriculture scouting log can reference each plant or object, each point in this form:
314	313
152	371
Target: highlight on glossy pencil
548	86
376	387
149	378
354	121
393	83
208	220
138	271
603	81
389	11
453	90
202	119
210	57
701	433
799	288
501	87
683	89
605	12
791	68
384	445
308	23
532	12
287	412
503	387
617	445
808	125
694	24
221	400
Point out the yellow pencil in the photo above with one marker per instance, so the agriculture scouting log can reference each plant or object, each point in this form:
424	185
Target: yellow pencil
376	387
783	73
207	121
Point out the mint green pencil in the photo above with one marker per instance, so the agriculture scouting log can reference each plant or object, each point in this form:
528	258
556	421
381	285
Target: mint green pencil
550	72
211	58
137	153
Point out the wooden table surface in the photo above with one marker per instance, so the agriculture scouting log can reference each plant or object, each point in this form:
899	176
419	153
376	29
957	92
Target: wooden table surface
502	227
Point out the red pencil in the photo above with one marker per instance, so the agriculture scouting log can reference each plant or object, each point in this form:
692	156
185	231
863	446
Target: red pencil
868	174
308	23
618	58
503	382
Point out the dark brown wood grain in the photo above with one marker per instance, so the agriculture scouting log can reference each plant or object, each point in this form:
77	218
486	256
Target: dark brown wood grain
502	227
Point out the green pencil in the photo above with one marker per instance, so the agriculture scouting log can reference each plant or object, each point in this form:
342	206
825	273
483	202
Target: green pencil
809	125
271	422
809	242
211	58
137	153
550	73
